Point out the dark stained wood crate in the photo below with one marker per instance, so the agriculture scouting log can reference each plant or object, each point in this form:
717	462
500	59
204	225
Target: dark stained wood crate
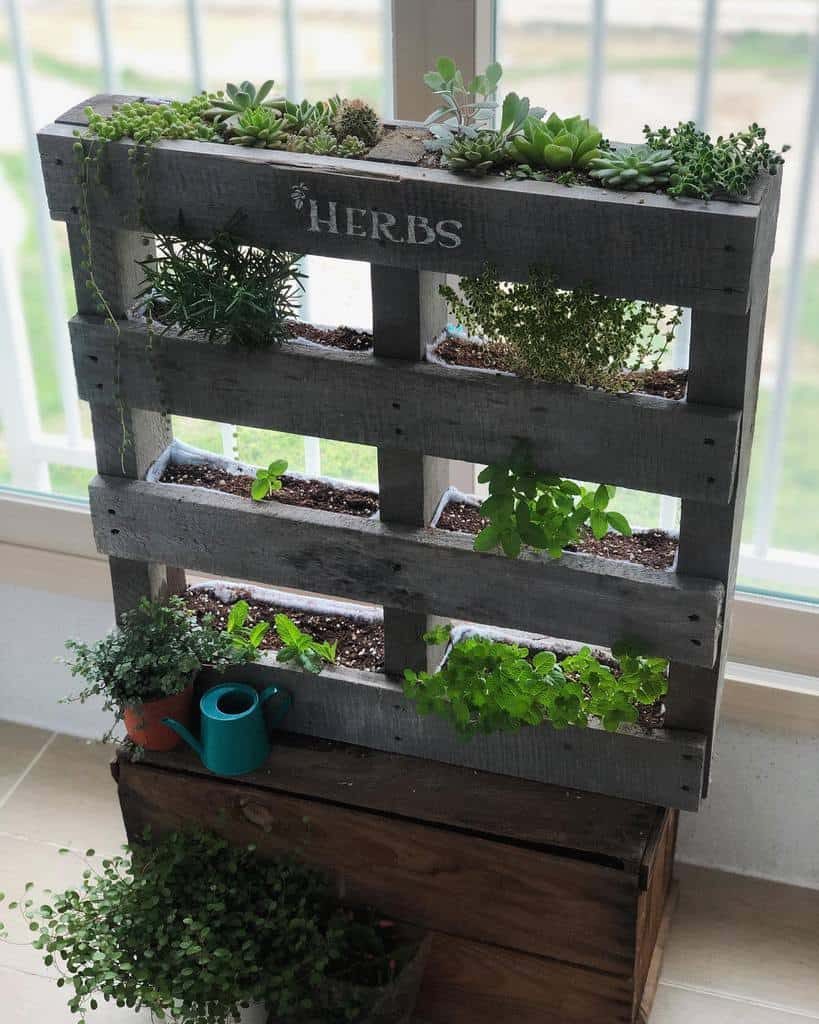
414	225
545	904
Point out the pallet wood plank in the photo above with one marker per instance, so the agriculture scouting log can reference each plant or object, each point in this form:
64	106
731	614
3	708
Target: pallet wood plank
148	432
660	766
432	571
407	310
474	983
423	408
726	354
410	871
425	219
614	832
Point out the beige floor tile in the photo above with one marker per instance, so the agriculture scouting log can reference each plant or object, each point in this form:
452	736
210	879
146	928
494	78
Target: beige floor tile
27	860
30	999
19	744
68	798
747	938
681	1006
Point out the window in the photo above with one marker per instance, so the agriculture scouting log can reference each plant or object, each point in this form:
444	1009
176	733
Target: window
723	62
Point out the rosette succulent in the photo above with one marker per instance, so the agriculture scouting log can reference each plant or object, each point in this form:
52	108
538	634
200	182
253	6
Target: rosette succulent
477	155
633	168
556	143
238	98
308	119
256	126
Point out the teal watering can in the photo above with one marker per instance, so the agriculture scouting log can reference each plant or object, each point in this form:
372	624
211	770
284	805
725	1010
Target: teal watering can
233	732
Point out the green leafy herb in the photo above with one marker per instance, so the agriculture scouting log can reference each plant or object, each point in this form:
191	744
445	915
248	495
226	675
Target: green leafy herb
157	651
308	654
705	167
541	510
487	686
194	929
268	480
242	635
577	337
222	289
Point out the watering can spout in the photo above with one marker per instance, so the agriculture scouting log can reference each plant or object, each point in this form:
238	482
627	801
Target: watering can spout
186	735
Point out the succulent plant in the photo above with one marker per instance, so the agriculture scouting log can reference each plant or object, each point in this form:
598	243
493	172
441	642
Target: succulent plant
308	119
357	118
633	168
326	144
556	143
476	155
238	99
256	126
351	146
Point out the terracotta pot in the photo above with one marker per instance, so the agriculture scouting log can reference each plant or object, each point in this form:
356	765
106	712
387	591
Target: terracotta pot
143	722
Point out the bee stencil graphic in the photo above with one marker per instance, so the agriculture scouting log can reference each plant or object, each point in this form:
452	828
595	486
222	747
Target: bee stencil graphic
298	193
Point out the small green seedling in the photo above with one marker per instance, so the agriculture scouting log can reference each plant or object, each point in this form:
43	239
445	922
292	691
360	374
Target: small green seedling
243	636
268	480
309	654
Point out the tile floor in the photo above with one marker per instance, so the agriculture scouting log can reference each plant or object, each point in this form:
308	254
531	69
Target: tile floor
741	951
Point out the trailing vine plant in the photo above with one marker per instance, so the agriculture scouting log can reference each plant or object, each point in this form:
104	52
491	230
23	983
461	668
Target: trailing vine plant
487	686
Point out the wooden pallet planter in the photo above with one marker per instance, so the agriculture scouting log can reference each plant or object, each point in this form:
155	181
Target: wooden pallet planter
415	224
544	904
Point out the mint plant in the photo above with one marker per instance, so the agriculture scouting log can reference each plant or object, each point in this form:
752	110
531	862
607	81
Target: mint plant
308	654
268	481
487	686
575	337
541	510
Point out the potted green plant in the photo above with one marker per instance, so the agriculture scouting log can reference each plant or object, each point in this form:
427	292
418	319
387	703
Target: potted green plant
199	931
145	670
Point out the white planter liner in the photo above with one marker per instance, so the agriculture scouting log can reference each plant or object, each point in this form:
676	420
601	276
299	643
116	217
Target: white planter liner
228	592
456	332
180	454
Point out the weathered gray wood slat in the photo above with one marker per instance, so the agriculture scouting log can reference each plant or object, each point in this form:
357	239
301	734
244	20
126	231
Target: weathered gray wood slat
640	245
639	441
148	433
430	571
725	376
407	309
367	709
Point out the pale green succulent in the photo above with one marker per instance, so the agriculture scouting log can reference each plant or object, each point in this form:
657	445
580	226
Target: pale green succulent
476	155
633	168
256	126
238	98
556	144
308	119
326	144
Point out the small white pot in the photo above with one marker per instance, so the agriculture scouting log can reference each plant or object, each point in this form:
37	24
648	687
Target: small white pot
256	1013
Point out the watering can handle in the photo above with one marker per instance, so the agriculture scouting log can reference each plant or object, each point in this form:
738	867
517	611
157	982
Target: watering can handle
273	691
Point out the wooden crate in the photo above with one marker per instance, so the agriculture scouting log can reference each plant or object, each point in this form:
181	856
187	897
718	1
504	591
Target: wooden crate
413	225
545	904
